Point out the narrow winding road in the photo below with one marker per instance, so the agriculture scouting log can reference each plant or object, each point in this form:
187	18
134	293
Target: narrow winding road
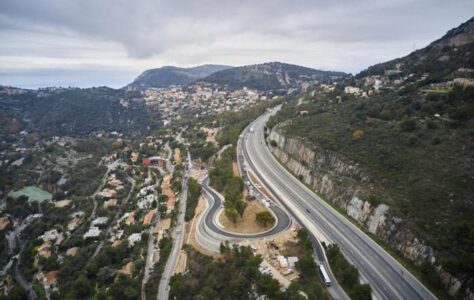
164	288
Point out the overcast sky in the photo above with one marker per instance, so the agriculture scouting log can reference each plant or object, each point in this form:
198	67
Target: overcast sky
109	42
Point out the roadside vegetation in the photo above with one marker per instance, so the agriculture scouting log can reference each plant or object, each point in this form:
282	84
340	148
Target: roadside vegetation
151	288
176	184
224	181
234	122
264	218
414	147
194	191
309	281
234	276
221	177
347	275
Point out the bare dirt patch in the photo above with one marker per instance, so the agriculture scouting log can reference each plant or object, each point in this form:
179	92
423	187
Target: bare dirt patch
166	188
127	269
4	222
211	135
247	223
181	263
62	203
165	224
235	168
177	156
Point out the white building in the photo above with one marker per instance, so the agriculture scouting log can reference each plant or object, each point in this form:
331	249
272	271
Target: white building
133	238
283	261
292	260
50	235
93	232
146	201
351	90
100	221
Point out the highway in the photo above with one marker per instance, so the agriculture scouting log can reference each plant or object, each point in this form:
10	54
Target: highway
209	235
388	278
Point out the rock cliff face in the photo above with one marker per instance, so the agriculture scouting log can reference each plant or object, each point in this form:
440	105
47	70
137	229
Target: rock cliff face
344	183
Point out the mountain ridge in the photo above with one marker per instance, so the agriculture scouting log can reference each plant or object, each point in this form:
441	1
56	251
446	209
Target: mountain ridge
166	76
272	76
455	39
406	126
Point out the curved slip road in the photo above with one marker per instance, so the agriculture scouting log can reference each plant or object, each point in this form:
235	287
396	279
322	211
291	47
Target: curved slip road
282	219
388	278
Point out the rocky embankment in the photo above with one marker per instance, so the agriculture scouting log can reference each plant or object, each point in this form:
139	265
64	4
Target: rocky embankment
344	183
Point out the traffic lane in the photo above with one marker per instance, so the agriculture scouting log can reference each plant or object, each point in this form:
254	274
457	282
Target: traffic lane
317	247
302	208
306	209
401	283
256	145
335	290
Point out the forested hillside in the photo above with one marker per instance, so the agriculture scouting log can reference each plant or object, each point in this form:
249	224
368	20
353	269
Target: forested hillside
272	76
407	127
74	111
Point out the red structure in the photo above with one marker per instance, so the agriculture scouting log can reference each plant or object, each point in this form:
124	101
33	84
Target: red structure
154	160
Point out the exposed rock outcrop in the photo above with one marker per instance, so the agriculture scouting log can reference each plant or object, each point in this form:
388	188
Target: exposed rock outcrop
344	183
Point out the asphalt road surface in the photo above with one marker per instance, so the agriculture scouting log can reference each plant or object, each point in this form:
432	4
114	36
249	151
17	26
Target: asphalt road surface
283	221
164	287
388	278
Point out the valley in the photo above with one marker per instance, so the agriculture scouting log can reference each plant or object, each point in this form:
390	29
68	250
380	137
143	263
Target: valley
262	181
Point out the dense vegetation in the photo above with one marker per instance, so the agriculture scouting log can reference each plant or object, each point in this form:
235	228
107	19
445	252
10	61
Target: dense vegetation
441	59
166	76
194	191
270	76
235	276
223	180
310	280
75	111
416	162
347	275
234	122
412	141
199	147
264	218
153	283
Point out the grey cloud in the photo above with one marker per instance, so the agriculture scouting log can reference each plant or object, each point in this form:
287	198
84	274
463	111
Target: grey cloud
346	35
146	28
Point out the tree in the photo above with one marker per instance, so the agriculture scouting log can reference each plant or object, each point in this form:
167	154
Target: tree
194	191
232	215
163	209
83	287
408	124
264	218
307	266
361	292
240	207
163	198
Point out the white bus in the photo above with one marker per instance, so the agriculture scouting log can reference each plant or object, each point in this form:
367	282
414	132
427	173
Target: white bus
327	281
